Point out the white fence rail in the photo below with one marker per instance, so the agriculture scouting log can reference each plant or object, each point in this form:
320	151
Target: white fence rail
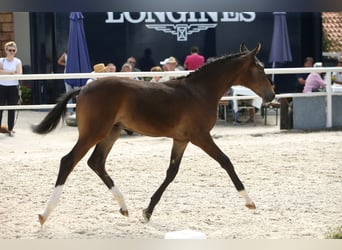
327	70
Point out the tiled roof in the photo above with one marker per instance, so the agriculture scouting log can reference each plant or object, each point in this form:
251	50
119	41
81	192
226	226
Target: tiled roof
332	26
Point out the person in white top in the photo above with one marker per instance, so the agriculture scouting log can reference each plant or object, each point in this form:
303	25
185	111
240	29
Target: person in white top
337	78
9	89
169	64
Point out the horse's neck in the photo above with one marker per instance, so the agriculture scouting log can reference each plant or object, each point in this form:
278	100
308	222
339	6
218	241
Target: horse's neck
216	81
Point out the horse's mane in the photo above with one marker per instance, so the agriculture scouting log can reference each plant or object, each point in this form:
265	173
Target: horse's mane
215	61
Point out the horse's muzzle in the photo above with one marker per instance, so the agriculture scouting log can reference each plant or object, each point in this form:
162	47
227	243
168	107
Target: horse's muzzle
269	96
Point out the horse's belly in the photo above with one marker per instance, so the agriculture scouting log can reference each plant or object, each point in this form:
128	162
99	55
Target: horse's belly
155	125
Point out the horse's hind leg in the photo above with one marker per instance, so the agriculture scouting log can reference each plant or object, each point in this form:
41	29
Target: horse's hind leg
208	145
176	157
97	163
67	164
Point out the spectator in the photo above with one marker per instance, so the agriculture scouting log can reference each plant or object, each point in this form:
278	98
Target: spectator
9	94
301	78
169	64
98	68
131	60
338	75
156	69
110	67
337	78
194	60
314	81
127	67
62	61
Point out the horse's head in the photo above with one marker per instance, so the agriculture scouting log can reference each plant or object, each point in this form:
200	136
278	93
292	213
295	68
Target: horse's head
255	77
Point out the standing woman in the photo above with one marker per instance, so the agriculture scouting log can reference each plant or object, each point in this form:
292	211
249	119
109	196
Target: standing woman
9	89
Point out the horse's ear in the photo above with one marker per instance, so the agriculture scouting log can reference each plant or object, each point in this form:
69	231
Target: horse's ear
257	49
243	48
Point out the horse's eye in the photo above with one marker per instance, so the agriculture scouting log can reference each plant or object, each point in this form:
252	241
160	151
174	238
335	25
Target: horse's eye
260	68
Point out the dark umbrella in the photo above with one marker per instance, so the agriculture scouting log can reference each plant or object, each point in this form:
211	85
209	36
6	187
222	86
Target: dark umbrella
280	47
78	57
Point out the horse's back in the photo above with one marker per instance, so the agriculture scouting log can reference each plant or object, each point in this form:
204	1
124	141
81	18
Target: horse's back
115	88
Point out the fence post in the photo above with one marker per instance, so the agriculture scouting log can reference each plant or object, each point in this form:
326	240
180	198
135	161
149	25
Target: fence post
286	115
329	99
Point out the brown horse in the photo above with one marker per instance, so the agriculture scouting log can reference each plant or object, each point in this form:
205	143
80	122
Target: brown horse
184	109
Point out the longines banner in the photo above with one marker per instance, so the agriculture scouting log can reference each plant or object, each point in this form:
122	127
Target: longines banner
174	5
121	34
180	24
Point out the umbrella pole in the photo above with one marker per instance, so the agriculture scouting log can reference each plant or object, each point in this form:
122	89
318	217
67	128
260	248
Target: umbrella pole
273	66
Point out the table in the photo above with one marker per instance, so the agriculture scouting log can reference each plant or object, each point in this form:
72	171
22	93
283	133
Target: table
241	90
336	87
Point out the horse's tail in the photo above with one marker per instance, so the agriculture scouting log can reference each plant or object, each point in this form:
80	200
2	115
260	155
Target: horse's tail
52	119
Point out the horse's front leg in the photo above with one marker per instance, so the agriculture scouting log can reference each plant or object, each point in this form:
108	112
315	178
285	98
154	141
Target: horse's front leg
176	157
208	145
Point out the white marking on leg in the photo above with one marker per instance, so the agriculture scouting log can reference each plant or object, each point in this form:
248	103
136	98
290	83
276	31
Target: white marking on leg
244	195
119	197
54	199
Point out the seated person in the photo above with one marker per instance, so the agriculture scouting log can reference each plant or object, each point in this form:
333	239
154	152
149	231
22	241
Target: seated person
98	68
126	67
111	67
169	64
337	76
308	62
314	81
156	69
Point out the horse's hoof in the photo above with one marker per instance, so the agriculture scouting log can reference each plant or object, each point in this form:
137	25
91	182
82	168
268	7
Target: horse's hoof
124	212
147	216
4	130
41	219
251	206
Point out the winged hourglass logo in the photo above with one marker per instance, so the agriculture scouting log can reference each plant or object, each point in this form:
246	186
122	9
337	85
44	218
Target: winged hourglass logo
181	30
